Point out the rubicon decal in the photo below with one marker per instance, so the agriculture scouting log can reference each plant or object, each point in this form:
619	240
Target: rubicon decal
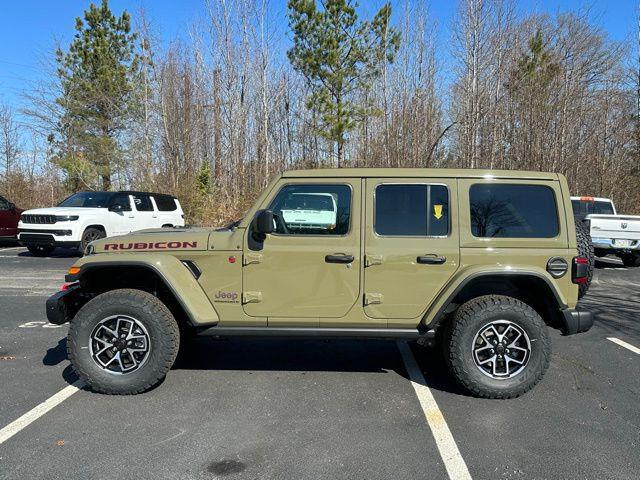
151	246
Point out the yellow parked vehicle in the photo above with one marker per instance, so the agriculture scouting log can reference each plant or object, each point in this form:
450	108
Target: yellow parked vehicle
481	261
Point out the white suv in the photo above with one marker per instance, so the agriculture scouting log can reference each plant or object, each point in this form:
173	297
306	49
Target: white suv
88	216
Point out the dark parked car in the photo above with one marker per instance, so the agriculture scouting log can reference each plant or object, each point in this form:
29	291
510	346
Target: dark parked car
9	217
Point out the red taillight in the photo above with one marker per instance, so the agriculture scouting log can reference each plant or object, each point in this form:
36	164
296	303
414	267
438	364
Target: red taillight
580	270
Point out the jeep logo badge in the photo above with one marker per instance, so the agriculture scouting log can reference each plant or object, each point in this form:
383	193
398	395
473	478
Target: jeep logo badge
624	225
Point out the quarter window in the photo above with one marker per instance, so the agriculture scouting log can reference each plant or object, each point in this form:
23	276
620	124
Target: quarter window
412	210
4	204
312	210
513	211
165	203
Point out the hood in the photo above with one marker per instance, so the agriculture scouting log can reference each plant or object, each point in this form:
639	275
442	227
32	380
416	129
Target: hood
63	211
167	239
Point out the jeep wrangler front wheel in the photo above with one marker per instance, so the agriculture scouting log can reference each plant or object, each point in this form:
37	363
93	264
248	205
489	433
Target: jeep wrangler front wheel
497	347
123	342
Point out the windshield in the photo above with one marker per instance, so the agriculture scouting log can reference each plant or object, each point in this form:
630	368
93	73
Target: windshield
586	207
88	200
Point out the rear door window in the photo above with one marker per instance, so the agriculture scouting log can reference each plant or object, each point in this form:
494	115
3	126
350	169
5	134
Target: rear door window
513	211
142	202
411	210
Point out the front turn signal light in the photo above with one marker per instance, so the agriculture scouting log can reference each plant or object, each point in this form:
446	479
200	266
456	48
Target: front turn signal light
73	271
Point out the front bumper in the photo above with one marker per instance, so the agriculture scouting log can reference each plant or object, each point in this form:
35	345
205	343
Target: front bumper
45	238
63	306
576	321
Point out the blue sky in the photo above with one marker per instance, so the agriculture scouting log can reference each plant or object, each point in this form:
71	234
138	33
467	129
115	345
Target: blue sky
29	30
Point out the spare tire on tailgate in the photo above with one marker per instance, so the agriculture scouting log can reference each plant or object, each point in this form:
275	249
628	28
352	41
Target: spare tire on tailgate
585	249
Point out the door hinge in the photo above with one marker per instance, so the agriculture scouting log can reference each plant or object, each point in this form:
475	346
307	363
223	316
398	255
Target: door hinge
372	260
251	297
372	298
249	258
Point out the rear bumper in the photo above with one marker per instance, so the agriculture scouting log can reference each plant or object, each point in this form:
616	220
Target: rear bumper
610	244
576	321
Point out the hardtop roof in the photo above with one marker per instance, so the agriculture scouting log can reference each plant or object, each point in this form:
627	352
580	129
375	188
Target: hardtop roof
419	172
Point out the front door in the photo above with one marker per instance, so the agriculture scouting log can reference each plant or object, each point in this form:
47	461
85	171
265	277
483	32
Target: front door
411	244
121	221
309	268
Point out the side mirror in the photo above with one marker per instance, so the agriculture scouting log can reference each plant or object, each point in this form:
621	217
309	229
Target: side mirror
115	208
263	223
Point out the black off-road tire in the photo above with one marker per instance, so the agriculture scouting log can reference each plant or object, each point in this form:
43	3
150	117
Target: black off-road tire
585	249
469	319
41	250
89	235
631	260
164	341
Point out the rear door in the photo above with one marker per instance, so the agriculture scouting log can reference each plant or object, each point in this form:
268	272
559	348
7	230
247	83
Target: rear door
411	244
146	215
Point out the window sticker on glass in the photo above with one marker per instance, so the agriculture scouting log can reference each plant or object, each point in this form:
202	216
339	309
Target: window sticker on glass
310	210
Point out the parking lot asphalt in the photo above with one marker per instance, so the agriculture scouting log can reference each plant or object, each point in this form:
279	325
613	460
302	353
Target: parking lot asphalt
273	408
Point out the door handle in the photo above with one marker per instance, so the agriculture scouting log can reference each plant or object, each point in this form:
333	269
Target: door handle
338	258
431	260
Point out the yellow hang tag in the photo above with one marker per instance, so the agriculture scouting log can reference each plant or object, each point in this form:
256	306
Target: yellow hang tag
437	211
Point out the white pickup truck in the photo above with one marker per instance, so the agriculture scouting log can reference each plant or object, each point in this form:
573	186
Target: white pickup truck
88	216
611	234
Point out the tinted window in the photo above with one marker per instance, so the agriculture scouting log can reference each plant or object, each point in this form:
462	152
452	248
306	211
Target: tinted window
88	200
4	204
412	210
142	202
585	207
165	203
312	210
513	211
122	200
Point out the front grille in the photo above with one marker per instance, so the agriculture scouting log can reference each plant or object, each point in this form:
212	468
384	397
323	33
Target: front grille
39	219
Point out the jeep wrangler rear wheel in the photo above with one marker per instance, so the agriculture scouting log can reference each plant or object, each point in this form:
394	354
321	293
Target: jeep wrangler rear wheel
123	342
497	347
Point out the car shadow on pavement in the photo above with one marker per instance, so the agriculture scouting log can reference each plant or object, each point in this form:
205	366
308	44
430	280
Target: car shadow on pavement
608	263
57	253
334	355
55	356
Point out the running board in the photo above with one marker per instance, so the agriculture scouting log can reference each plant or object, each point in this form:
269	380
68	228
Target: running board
391	333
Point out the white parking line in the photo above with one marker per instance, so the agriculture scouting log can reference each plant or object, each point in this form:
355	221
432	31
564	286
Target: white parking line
32	415
453	461
624	344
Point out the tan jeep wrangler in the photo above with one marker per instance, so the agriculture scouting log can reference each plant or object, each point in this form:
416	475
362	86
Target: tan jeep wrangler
480	261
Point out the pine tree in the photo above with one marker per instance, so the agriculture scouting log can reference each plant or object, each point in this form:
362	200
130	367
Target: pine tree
339	56
97	75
